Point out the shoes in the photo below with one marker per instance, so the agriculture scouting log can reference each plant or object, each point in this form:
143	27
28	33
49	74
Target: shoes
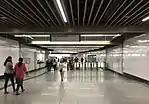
23	90
17	93
6	92
62	80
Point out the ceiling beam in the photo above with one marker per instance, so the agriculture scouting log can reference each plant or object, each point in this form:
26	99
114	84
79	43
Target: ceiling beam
45	23
25	12
75	30
15	9
71	9
118	8
90	15
49	6
97	12
12	19
32	12
7	22
128	13
142	15
84	11
139	14
78	9
104	12
131	16
122	12
11	16
46	13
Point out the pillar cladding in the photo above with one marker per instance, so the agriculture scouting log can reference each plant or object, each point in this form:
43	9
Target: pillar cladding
46	54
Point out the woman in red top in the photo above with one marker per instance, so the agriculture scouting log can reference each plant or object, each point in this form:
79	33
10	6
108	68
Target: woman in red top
20	69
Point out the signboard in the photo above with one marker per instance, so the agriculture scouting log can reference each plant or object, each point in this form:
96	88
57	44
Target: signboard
27	60
65	38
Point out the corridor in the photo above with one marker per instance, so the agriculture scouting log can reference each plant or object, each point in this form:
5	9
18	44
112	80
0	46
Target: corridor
80	87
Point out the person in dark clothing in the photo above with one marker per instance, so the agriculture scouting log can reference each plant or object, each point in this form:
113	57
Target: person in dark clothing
82	60
48	65
54	64
9	74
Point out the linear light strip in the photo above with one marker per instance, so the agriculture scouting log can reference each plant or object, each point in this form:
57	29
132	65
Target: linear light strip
96	35
71	46
27	36
32	35
145	19
116	36
81	42
40	35
61	10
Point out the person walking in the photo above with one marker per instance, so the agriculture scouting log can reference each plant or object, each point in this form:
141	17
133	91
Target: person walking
54	64
8	74
63	68
48	65
20	69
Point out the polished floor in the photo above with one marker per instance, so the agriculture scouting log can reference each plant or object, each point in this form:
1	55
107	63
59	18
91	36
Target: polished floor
80	87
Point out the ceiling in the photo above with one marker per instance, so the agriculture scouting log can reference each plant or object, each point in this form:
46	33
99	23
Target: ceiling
45	13
85	15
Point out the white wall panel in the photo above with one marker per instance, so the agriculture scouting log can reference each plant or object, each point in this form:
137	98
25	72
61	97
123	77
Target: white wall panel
136	56
33	55
109	58
115	59
8	48
30	55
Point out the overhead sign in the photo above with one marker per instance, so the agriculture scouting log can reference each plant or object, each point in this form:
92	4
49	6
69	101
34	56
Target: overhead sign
64	37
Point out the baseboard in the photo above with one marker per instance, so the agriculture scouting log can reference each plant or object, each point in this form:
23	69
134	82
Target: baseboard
114	71
135	78
129	76
36	69
2	76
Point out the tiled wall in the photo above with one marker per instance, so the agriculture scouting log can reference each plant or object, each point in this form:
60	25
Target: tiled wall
114	59
136	56
10	47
